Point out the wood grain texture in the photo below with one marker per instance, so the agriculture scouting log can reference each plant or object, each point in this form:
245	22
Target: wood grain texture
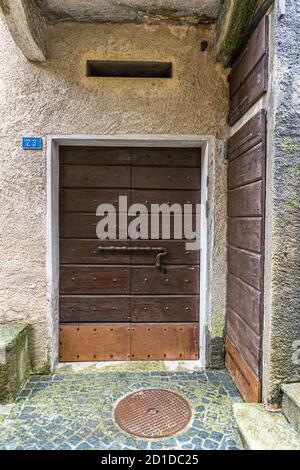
77	279
253	88
92	176
246	302
248	384
170	197
88	200
95	155
246	266
245	233
73	225
165	178
257	47
177	253
164	309
250	135
245	341
167	157
171	342
246	169
74	251
182	280
94	342
246	201
94	308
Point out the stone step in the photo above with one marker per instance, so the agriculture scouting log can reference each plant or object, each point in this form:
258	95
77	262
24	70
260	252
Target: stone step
291	404
14	360
262	430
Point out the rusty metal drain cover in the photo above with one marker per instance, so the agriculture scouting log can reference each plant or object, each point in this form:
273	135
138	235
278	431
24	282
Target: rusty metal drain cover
153	413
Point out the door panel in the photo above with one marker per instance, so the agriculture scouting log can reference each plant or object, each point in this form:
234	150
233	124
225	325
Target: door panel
164	309
87	252
155	178
177	280
114	299
77	279
166	157
170	197
94	308
95	156
85	176
87	200
176	253
173	342
246	220
92	342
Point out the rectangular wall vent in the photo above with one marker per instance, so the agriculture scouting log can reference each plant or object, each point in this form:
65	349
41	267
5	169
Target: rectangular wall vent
129	69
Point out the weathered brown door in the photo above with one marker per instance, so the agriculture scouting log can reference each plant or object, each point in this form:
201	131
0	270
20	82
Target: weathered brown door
125	299
248	81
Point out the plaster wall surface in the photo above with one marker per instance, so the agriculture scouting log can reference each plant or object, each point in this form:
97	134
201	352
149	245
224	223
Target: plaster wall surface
56	98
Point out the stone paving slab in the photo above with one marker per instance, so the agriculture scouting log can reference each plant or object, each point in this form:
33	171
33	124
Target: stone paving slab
76	412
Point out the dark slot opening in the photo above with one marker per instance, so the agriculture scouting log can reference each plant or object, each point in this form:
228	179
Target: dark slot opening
128	69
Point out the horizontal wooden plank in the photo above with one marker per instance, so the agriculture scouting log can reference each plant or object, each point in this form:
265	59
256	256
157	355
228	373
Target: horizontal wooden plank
247	168
250	135
245	233
245	340
76	251
246	302
170	197
245	265
253	88
88	200
94	342
170	281
165	178
246	201
94	308
87	252
176	253
182	157
92	176
75	279
164	309
252	54
95	155
248	384
171	342
85	225
78	226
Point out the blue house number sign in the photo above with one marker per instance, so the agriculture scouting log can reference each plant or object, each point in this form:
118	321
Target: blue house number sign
32	143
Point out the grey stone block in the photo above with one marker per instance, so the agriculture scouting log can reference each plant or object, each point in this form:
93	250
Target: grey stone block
291	404
14	360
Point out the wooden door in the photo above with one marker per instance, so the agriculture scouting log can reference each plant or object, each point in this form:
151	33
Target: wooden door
246	212
248	81
115	302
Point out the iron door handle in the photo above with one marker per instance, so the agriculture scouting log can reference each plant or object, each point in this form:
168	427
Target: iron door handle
161	252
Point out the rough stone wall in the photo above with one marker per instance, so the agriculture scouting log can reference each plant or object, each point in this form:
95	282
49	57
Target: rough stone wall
56	98
282	286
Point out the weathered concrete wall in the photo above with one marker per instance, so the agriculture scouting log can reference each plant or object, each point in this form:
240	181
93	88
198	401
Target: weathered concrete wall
115	11
56	97
282	283
27	27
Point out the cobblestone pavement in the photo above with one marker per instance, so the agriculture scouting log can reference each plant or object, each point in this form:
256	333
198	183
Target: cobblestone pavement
75	411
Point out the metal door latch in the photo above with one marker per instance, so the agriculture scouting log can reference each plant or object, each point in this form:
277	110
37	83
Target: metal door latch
161	252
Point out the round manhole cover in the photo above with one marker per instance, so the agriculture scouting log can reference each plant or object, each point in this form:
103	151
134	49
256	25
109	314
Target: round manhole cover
153	413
